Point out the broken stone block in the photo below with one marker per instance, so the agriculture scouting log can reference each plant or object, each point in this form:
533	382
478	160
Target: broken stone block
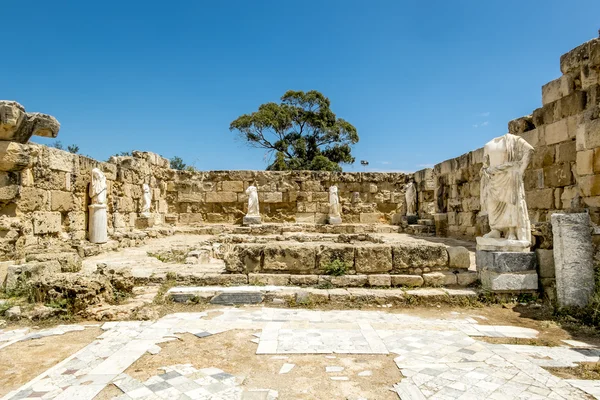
18	276
331	252
69	262
545	259
18	126
15	156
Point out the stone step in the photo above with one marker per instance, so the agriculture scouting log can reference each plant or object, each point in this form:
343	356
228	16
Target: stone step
281	228
427	222
420	230
459	278
302	296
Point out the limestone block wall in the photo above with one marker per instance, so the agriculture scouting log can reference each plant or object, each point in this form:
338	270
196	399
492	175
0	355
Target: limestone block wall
564	173
291	196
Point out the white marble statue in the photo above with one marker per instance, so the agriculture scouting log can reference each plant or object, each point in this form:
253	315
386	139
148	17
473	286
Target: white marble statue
410	194
335	210
146	199
505	159
252	217
98	223
253	209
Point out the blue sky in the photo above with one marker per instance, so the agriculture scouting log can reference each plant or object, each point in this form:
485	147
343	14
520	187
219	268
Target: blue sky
422	81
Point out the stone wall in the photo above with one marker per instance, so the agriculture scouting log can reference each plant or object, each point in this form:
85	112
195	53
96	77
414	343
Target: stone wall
44	196
295	196
564	173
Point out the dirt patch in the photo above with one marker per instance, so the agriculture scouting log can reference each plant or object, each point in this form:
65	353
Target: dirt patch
234	353
23	361
589	371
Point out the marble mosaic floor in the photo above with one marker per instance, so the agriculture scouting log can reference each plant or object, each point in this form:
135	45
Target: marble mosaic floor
440	358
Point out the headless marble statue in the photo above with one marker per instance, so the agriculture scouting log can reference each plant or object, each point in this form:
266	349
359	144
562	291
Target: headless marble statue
98	221
335	212
505	159
146	200
411	199
253	215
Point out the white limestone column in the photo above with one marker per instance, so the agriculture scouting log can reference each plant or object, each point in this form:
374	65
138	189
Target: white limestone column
98	227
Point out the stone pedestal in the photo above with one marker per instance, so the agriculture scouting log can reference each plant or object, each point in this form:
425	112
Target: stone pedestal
505	271
98	227
573	259
334	220
251	220
144	221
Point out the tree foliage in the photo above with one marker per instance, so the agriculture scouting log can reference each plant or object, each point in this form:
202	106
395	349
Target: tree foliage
302	133
177	163
72	148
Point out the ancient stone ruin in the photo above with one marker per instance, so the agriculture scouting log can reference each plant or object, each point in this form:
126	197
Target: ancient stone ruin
526	196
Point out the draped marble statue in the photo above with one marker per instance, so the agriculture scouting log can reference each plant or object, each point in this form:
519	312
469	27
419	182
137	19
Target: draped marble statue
98	224
335	210
505	159
253	214
146	200
410	195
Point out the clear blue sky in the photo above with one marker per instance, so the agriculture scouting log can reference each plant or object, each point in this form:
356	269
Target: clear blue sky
423	81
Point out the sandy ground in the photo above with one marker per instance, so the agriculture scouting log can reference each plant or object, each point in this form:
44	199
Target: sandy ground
233	352
23	361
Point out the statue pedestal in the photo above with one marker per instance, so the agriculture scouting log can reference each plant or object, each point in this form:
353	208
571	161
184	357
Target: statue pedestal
492	244
251	220
331	220
98	226
411	219
144	221
506	266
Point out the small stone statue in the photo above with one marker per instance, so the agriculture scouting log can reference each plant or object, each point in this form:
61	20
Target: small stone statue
147	200
335	212
410	195
98	226
253	215
505	159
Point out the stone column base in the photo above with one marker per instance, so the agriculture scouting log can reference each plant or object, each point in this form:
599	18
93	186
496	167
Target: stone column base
98	228
334	220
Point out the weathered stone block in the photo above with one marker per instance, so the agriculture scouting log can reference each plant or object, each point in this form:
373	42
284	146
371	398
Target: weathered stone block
61	201
419	255
509	282
18	276
380	280
573	257
14	156
46	222
191	197
292	258
459	257
60	160
69	262
344	280
541	199
407	280
232	186
566	152
434	279
245	257
585	162
466	278
221	197
304	280
373	259
556	132
504	262
330	252
589	185
558	175
269	279
272	197
370	218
